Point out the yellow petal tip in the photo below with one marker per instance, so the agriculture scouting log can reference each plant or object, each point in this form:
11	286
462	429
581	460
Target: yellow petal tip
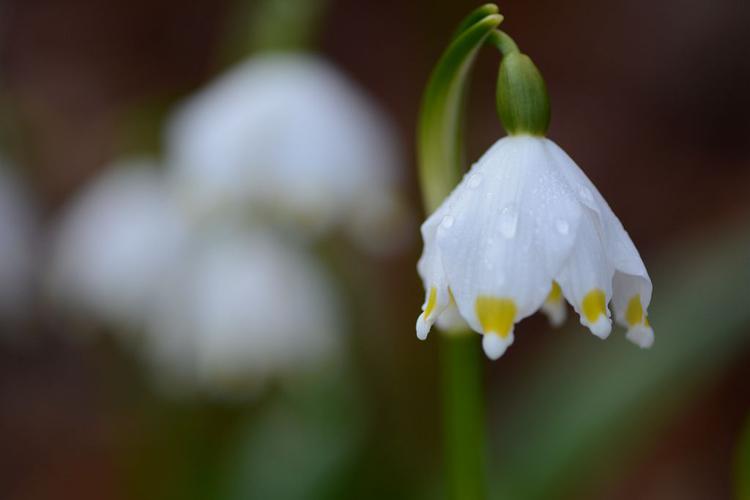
496	315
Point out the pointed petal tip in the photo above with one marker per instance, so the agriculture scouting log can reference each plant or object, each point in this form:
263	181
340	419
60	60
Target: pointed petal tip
641	335
494	346
556	314
423	327
601	328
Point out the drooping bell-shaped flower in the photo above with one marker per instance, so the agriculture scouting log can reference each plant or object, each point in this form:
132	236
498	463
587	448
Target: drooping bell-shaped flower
114	243
292	137
242	306
525	229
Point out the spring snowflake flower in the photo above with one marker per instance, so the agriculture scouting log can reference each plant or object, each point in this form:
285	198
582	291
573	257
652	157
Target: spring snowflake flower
114	243
524	230
242	307
292	137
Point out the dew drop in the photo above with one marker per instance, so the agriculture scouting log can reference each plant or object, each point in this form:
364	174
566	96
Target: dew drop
562	226
475	180
447	222
585	193
508	221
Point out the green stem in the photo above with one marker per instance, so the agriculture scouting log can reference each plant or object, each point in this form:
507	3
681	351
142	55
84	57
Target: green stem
439	136
463	414
439	145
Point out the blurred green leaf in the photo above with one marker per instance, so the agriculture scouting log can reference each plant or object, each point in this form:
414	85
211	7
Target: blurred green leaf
573	419
301	444
742	467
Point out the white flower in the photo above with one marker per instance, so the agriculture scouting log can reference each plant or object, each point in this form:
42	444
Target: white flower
18	249
292	136
523	229
242	307
114	243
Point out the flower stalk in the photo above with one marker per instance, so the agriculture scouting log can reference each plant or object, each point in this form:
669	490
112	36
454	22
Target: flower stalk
463	416
440	150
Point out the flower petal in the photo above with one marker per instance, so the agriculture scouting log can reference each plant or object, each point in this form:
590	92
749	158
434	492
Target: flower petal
435	283
506	231
630	278
586	278
554	306
632	295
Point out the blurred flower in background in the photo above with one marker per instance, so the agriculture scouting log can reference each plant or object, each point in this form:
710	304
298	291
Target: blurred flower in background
18	247
218	305
290	136
114	244
242	305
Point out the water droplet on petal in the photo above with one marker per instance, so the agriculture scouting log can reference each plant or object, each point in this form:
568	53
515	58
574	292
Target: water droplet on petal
585	193
475	180
447	222
508	221
562	226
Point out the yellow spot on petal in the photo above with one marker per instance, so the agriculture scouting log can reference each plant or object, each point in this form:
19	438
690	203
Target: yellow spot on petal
594	304
634	312
431	302
555	294
495	315
450	295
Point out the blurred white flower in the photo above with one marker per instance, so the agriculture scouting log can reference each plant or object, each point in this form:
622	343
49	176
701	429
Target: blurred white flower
293	137
523	229
18	249
114	244
243	307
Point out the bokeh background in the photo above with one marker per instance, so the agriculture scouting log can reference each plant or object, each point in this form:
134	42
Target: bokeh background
650	98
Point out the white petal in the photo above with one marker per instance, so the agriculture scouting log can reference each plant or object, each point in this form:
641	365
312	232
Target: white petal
554	306
620	248
494	345
630	302
437	297
450	319
641	335
513	224
586	278
631	277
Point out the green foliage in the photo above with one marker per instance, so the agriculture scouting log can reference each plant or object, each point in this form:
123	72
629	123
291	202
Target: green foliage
742	467
439	137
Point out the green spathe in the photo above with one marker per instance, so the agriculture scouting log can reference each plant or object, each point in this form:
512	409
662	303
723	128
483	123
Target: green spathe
522	100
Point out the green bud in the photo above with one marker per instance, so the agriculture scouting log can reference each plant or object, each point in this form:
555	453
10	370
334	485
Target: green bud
522	100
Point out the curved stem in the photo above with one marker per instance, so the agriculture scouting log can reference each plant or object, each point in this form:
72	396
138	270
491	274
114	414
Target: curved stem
503	42
439	137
